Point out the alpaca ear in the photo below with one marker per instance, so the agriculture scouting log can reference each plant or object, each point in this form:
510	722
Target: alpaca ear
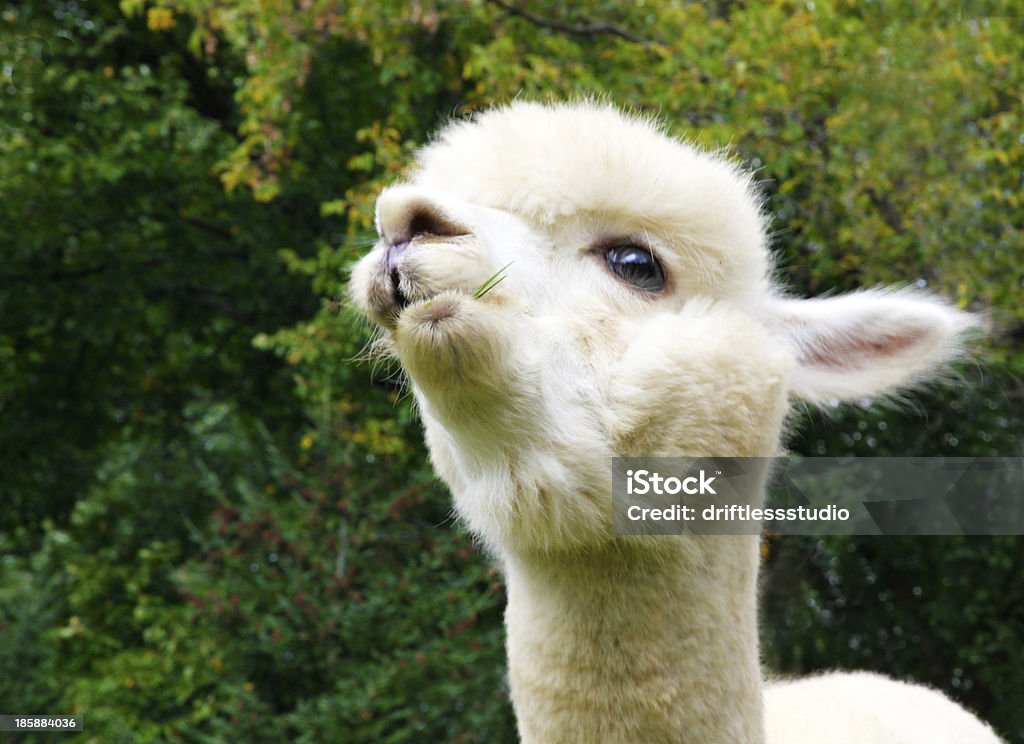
868	342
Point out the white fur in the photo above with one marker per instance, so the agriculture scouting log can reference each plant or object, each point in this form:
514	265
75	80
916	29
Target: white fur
528	391
813	710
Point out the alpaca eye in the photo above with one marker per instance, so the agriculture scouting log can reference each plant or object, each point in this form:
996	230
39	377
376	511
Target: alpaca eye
637	266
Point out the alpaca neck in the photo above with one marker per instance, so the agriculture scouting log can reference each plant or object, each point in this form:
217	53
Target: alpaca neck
637	642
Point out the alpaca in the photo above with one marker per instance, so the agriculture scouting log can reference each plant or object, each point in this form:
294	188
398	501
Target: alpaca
637	316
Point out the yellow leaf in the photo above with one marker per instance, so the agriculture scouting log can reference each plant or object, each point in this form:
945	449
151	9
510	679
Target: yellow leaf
160	19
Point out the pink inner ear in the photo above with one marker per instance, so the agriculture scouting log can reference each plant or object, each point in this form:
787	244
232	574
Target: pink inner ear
857	352
869	342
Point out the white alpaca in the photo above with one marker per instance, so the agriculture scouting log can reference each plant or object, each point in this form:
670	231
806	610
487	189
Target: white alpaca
638	317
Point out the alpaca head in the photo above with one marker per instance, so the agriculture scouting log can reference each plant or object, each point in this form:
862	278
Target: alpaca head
637	316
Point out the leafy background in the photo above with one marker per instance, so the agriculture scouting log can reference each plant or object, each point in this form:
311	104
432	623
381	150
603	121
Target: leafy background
215	527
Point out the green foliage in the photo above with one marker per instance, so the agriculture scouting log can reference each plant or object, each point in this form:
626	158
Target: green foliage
131	283
216	526
270	617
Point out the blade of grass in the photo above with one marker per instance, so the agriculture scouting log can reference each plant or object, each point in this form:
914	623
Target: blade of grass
495	279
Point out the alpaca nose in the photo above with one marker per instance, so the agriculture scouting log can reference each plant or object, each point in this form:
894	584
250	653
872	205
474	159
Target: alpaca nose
405	213
407	216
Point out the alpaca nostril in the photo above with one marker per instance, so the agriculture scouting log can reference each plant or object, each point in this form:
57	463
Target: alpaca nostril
406	213
426	221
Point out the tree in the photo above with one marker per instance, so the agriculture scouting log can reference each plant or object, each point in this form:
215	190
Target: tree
132	283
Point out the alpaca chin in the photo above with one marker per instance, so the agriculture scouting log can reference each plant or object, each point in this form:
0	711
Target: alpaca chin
460	356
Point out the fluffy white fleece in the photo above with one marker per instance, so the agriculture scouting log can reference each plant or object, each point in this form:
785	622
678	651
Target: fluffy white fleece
528	390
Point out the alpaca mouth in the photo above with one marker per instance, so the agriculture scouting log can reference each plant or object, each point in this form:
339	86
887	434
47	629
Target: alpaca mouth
397	291
398	297
402	279
405	291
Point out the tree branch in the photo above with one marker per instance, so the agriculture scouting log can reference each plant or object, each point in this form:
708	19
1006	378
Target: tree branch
584	29
889	211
